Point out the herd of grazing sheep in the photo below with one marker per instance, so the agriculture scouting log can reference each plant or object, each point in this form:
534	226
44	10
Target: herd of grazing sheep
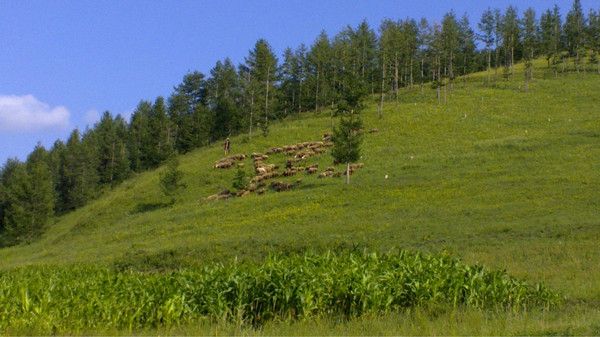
296	153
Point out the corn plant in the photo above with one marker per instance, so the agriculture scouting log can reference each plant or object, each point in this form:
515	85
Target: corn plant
296	286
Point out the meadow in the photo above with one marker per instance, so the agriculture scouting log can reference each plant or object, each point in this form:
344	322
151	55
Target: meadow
497	177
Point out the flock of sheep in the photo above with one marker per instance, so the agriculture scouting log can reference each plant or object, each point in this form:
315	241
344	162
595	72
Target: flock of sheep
296	153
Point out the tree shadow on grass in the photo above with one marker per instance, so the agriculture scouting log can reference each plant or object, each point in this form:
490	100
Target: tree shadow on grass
144	207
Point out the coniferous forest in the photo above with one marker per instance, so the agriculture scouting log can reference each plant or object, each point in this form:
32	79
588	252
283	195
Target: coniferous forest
246	98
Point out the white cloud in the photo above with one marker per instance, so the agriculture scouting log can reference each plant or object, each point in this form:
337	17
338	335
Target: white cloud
26	113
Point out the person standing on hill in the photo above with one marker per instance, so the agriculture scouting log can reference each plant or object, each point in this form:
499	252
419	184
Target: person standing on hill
227	146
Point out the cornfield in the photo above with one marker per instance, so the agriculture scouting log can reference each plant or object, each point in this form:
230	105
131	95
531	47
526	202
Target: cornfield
296	286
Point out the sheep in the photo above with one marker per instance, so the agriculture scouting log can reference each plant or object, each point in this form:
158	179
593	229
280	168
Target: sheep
280	186
315	145
304	154
228	162
242	193
259	178
275	150
225	194
224	164
259	156
328	173
290	149
237	157
264	169
290	172
312	169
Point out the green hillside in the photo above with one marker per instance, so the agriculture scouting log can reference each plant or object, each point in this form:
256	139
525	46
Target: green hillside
496	176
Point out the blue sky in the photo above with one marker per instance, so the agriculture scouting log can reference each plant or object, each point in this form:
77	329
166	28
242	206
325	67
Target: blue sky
62	63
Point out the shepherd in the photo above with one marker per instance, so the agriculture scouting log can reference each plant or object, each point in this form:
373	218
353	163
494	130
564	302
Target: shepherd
226	146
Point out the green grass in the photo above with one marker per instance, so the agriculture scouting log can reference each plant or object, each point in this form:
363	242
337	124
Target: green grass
497	176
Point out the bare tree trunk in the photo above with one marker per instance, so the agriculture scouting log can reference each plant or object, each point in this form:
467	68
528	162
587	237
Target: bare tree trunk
396	76
422	74
267	99
451	68
300	98
496	65
512	60
380	110
411	72
464	74
347	173
439	83
331	117
317	93
445	94
527	78
251	112
531	72
112	162
293	101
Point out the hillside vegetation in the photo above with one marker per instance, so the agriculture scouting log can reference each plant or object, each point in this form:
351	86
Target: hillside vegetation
497	176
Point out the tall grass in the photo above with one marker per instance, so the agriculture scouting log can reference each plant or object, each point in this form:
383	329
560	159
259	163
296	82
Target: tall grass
296	286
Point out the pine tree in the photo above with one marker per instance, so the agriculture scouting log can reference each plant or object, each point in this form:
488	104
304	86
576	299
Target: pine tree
301	57
7	174
498	39
291	80
113	162
17	187
247	97
423	40
2	210
138	139
28	198
223	98
435	50
187	108
575	26
122	163
263	68
170	179
486	26
510	34
363	44
388	47
409	31
530	34
551	32
319	61
161	146
593	36
450	40
78	173
466	45
347	136
41	197
346	141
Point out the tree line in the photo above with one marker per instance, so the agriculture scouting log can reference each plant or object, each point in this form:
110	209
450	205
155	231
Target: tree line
246	98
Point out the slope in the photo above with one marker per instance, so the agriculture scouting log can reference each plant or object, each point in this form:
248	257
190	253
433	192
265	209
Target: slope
496	176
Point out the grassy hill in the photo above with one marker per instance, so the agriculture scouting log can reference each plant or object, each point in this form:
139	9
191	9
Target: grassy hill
496	176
